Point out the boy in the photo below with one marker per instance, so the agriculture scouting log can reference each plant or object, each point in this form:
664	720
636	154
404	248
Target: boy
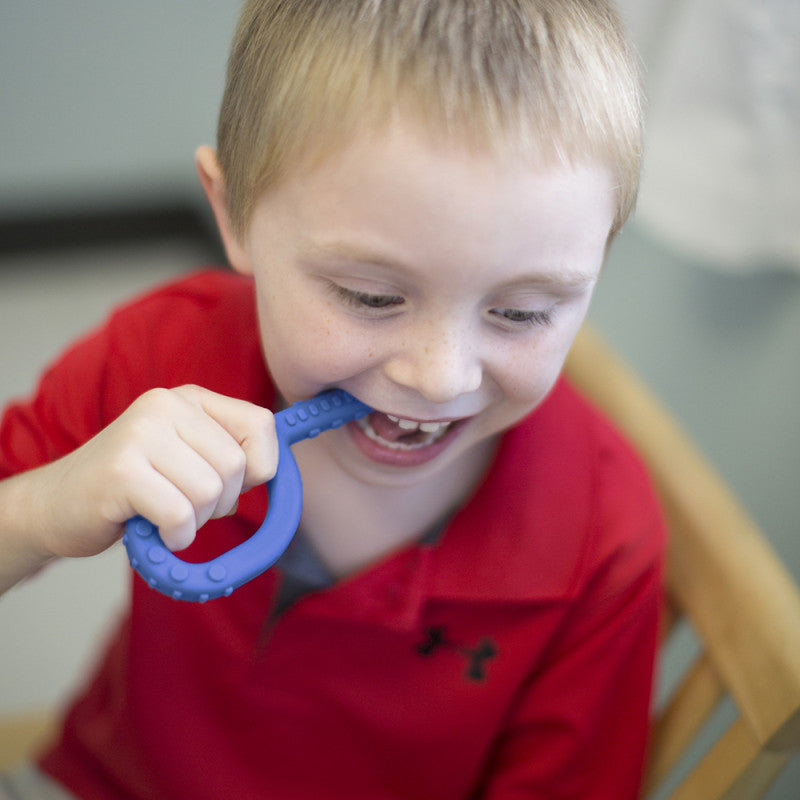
416	199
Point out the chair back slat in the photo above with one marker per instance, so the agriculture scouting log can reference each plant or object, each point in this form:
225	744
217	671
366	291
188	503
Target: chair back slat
683	717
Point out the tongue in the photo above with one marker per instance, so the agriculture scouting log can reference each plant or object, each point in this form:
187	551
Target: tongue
387	429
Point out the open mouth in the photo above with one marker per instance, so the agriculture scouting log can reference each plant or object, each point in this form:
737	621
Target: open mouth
399	434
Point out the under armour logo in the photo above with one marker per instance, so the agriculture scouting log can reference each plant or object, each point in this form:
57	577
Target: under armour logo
476	656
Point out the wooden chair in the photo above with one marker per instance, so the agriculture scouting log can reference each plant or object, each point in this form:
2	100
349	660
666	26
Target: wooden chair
724	579
20	734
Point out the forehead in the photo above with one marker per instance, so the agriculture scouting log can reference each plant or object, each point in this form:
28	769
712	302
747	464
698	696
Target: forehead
411	152
398	197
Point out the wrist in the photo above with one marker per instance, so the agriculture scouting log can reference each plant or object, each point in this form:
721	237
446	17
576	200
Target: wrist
23	548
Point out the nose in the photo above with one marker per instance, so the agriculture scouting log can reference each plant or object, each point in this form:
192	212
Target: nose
440	365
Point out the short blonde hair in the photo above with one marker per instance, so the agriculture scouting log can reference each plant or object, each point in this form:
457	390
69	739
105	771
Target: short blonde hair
557	78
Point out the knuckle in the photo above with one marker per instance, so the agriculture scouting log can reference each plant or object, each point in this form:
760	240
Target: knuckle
155	398
188	391
121	465
260	420
267	421
208	490
146	413
139	428
261	470
179	514
161	401
233	463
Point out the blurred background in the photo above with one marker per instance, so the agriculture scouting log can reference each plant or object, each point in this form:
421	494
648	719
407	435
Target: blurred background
104	102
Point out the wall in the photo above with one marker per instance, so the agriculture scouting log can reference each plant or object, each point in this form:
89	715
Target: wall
104	101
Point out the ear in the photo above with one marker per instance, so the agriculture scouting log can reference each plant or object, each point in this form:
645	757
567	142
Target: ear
213	183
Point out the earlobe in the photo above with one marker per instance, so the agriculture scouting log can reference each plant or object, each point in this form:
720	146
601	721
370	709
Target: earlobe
213	183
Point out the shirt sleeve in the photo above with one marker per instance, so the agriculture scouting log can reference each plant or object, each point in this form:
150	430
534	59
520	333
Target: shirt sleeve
167	336
579	729
83	390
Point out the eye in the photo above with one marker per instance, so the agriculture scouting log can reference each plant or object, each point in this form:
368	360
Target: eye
365	300
519	317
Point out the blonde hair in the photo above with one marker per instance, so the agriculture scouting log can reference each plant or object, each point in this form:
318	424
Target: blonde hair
555	78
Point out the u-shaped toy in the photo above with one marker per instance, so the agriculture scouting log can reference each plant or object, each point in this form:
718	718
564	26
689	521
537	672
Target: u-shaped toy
182	580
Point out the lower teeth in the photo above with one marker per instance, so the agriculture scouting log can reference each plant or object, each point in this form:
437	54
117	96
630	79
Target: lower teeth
429	439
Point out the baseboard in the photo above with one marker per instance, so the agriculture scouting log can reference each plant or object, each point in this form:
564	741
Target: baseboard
142	222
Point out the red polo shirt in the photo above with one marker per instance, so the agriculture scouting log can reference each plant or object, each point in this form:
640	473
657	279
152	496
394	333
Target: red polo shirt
512	659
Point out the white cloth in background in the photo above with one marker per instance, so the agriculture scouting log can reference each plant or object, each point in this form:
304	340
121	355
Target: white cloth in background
722	162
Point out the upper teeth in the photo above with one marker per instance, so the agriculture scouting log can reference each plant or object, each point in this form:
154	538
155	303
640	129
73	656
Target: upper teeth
412	425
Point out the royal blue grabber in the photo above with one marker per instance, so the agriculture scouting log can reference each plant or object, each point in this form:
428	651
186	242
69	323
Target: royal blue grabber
182	580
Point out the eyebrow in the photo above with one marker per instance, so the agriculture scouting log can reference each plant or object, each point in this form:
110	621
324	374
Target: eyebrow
575	279
355	253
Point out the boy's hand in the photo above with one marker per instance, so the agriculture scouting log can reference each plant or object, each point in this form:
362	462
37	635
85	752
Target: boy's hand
178	457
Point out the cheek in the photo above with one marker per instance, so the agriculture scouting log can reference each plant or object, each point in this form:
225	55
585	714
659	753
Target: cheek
529	372
545	359
308	355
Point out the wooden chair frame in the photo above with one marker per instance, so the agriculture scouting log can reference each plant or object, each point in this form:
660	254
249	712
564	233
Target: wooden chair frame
21	734
724	578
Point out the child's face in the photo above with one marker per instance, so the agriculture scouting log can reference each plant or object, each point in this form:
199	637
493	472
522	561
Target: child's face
437	285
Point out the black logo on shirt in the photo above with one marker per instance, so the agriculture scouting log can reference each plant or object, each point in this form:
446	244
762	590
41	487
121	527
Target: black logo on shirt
436	639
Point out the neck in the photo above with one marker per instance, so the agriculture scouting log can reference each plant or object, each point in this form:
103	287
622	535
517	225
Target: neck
352	524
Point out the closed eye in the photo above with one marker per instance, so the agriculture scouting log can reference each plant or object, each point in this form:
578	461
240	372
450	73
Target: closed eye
518	316
366	300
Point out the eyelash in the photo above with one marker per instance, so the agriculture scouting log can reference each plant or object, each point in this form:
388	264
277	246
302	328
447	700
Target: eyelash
379	302
365	300
517	316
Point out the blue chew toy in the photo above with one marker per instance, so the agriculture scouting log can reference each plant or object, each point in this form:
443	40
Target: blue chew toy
172	576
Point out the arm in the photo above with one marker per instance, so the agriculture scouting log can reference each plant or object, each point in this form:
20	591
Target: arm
179	457
22	555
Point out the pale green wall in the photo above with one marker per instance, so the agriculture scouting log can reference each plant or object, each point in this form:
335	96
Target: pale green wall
104	100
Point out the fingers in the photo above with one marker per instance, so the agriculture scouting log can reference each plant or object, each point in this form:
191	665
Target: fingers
190	454
251	426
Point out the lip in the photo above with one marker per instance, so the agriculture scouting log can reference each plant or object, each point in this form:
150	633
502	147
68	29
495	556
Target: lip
380	454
